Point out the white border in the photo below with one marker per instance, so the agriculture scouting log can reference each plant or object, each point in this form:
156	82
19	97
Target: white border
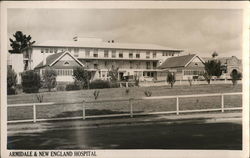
137	5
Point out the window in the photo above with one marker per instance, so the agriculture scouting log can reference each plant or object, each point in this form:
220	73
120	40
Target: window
167	54
87	63
138	65
130	55
147	65
69	49
154	54
64	72
120	54
95	66
42	51
76	52
51	50
66	63
178	70
87	52
55	50
130	65
154	65
113	54
96	53
106	53
147	54
137	55
46	50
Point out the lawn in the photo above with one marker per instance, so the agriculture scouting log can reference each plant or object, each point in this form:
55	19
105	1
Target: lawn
49	111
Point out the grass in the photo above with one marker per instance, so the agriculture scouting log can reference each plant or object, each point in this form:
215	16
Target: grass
49	111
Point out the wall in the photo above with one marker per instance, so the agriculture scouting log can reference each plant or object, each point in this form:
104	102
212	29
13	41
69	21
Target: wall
16	60
38	57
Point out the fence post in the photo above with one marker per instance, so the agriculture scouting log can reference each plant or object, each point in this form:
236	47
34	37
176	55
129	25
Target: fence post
131	106
177	105
83	110
34	112
222	103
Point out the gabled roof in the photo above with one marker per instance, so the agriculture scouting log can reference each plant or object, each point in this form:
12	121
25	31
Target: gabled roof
179	61
87	44
52	59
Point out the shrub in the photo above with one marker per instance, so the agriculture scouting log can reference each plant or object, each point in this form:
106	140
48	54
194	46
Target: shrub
235	75
39	98
31	81
81	76
49	77
148	93
190	81
99	84
114	85
11	81
96	94
60	88
72	87
113	74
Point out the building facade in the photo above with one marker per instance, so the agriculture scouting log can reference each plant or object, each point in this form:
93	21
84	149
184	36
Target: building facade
63	63
99	56
228	65
185	67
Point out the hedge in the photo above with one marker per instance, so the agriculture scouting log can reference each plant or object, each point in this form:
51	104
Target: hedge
99	84
31	81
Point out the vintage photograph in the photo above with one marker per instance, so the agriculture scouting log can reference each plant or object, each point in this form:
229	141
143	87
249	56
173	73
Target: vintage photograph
91	79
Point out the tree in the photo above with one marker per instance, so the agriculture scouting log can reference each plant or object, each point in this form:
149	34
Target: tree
171	78
212	68
20	42
235	75
20	45
82	77
11	81
49	77
215	54
113	74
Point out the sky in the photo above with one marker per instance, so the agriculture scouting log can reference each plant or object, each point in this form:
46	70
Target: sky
194	30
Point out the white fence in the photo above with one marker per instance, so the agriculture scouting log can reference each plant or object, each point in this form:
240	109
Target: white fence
131	111
186	82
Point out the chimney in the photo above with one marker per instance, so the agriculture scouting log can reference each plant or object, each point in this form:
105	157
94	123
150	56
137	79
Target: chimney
75	38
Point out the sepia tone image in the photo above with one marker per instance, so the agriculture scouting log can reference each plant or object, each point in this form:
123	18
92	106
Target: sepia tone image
124	79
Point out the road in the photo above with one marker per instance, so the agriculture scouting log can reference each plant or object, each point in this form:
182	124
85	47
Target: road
206	135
